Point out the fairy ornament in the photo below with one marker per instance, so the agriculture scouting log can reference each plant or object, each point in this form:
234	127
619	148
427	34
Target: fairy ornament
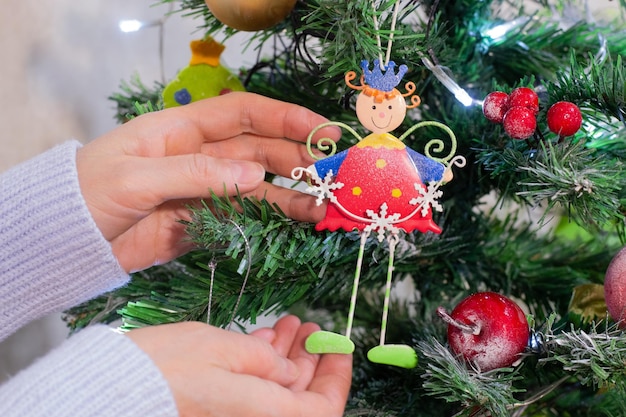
378	186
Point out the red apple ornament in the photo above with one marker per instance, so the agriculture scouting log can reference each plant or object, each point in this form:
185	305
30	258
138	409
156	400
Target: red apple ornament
564	118
615	288
488	330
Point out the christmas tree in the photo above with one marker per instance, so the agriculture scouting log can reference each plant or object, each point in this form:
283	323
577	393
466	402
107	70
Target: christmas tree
534	96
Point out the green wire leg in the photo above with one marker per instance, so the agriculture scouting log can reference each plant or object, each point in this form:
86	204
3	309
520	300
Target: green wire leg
355	285
397	355
329	342
392	240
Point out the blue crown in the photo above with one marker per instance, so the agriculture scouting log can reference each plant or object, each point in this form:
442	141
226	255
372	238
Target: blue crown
383	82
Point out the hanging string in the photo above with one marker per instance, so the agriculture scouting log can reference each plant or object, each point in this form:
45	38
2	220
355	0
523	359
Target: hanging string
245	279
378	42
394	19
213	266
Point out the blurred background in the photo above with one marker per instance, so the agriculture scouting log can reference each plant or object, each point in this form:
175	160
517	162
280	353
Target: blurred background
59	62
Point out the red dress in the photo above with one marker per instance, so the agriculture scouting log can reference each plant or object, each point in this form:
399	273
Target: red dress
379	169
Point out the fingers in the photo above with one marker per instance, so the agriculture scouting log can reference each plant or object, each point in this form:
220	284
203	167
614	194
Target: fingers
196	348
208	369
191	176
138	249
265	333
196	176
236	113
306	362
325	379
262	399
285	331
321	388
245	355
333	378
276	155
288	338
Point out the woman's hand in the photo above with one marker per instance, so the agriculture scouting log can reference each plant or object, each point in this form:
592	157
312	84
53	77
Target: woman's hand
139	179
216	373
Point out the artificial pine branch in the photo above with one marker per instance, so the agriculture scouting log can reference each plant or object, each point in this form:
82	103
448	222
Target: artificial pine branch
286	264
541	48
598	86
135	98
596	356
582	181
351	36
447	378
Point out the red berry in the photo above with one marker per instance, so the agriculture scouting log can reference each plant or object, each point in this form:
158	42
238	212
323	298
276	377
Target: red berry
519	122
615	288
499	331
524	97
564	118
495	105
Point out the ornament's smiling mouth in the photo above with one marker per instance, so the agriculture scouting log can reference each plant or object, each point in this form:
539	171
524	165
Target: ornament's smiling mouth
382	127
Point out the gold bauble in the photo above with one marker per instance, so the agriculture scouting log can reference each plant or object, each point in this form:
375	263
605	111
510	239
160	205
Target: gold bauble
250	15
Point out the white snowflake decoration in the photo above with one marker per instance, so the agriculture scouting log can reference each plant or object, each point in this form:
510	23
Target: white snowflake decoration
428	197
324	188
382	223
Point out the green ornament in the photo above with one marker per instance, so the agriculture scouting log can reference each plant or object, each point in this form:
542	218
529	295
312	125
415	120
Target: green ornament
329	342
402	356
204	77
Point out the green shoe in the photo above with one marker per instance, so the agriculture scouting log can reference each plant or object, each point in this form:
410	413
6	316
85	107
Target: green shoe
397	355
328	342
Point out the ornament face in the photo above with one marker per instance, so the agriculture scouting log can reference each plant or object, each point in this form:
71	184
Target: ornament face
496	333
380	117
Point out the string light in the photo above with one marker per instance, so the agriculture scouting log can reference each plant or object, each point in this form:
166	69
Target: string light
493	35
134	25
459	93
131	25
498	32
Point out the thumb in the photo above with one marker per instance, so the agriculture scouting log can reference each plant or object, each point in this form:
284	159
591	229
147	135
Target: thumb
195	175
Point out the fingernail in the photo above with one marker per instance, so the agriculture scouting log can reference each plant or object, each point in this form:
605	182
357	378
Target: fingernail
247	172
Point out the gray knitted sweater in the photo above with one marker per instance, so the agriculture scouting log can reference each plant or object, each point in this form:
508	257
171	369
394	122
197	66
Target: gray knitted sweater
52	256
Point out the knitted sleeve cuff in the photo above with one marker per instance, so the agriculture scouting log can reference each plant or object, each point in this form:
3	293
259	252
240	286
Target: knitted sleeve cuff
52	255
96	373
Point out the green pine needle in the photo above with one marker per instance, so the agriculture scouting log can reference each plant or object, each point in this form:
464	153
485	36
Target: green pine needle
447	378
135	99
